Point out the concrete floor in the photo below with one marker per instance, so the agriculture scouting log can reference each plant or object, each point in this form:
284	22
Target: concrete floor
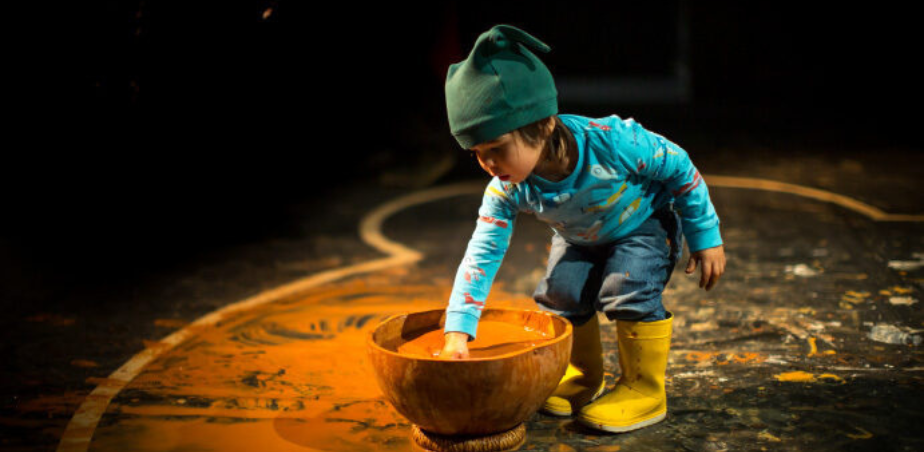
778	357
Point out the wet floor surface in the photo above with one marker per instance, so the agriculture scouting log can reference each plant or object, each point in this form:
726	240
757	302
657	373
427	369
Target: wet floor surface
808	342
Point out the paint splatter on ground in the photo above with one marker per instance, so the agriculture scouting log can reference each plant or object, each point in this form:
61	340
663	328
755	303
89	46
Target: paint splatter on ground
290	376
749	368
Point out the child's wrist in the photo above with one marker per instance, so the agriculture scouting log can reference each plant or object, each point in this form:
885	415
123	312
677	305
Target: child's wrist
457	336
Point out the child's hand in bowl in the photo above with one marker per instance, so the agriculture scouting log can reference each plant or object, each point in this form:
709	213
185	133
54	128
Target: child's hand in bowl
456	346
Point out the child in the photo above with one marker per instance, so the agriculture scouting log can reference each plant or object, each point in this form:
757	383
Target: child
607	188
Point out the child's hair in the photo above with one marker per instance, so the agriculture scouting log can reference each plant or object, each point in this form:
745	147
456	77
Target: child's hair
556	143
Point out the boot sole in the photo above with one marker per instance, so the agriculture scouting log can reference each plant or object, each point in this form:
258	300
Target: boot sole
570	412
623	428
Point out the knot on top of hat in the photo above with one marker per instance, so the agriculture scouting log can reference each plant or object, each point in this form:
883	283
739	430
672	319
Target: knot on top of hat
497	37
503	37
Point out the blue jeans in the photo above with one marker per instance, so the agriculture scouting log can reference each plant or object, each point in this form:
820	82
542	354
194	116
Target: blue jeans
623	279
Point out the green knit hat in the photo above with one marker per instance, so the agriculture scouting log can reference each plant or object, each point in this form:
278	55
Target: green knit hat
500	87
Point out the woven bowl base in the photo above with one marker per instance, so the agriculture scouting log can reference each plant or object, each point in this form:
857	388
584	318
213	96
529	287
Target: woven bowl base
504	441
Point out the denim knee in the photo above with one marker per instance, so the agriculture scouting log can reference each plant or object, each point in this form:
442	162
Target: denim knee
637	270
567	299
629	297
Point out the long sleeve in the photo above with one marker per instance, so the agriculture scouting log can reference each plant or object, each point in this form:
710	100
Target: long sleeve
483	257
650	155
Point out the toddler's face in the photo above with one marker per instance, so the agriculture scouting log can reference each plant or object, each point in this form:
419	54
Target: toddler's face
508	157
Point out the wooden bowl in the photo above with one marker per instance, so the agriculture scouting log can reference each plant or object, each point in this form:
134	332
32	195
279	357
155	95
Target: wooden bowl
477	396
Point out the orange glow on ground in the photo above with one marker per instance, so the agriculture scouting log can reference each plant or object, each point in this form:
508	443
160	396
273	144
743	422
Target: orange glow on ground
285	376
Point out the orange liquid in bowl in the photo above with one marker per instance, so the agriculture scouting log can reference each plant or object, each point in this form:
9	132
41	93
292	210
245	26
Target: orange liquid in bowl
493	339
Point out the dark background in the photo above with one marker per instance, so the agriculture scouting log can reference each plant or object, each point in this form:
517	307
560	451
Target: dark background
153	131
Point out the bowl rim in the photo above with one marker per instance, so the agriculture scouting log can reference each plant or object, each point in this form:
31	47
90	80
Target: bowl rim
569	331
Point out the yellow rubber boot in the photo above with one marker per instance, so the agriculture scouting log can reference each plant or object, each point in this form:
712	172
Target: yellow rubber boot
583	381
639	399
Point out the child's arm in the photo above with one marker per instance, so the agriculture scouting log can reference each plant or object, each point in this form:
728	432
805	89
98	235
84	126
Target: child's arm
650	154
486	250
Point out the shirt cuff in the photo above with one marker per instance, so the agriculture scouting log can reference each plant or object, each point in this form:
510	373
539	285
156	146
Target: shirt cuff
700	240
461	322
